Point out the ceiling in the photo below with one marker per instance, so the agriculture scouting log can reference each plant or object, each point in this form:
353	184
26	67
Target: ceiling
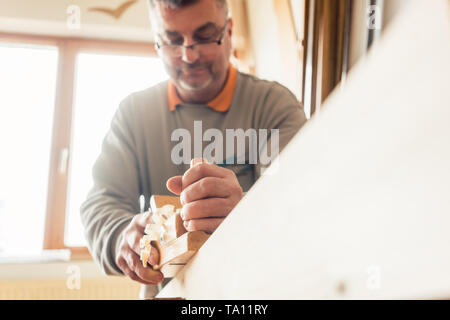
60	17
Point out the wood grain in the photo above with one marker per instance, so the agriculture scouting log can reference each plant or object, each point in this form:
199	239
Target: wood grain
158	201
364	216
176	253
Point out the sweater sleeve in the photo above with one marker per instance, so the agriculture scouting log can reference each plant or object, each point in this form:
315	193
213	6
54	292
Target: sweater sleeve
284	116
114	198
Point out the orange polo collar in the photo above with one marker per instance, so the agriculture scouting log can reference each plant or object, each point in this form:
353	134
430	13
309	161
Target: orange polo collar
220	103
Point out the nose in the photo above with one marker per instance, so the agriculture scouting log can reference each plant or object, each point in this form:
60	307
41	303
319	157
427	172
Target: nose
189	55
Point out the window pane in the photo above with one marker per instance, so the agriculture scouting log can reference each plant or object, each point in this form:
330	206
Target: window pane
27	98
102	81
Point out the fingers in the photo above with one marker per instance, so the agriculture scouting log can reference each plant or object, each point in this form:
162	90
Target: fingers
206	188
208	194
202	170
133	243
174	185
208	225
146	274
207	208
141	220
131	265
128	259
197	161
154	257
127	271
135	232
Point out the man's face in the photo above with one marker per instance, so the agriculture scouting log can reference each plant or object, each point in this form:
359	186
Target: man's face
195	69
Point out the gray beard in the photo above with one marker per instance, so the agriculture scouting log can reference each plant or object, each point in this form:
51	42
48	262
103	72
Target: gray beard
186	86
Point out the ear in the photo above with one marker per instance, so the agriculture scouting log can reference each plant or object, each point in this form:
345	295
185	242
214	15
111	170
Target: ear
230	27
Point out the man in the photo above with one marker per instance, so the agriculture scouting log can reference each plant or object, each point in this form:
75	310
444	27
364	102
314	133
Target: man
193	39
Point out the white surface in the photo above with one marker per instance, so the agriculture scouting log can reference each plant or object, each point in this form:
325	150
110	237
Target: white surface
102	82
48	270
27	101
359	207
36	256
265	41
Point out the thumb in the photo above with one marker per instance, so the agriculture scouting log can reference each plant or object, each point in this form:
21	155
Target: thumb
174	185
197	161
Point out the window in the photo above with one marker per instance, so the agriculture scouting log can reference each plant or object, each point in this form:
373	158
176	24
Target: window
102	81
57	99
27	100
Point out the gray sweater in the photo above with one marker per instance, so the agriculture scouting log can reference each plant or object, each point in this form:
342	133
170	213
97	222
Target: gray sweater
138	152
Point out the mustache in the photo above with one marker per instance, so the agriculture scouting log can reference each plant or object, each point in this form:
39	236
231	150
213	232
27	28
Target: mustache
195	65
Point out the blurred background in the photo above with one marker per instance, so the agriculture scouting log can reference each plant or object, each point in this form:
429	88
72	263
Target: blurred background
64	68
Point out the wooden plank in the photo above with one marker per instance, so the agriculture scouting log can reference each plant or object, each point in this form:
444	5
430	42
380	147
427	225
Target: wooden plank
158	201
364	216
179	229
176	253
171	270
181	249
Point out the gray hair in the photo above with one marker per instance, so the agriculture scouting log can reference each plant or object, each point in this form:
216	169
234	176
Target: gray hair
175	4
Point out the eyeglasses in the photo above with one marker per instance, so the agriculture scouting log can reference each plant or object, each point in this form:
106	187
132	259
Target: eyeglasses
206	47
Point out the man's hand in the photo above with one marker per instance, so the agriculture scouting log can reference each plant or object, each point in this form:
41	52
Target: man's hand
208	194
128	258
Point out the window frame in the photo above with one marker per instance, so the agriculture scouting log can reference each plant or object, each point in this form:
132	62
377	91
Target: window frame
68	49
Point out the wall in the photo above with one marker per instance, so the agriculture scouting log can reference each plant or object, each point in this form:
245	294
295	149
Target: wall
265	37
50	17
49	281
